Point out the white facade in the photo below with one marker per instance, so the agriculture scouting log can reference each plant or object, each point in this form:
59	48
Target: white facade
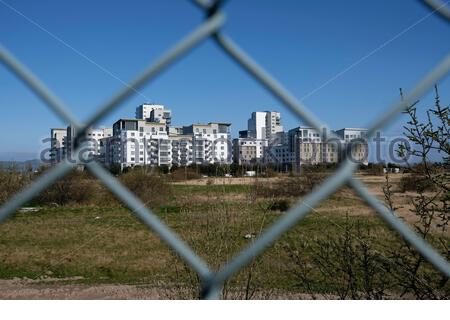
94	136
265	125
62	144
308	147
359	144
151	140
144	110
257	125
154	113
138	142
349	134
273	125
211	142
57	144
182	150
249	150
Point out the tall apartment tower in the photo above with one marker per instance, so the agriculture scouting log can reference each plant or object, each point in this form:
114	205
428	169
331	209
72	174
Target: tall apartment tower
265	125
57	144
257	125
154	113
273	125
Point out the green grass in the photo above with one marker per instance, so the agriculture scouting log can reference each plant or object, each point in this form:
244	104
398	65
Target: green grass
110	245
211	189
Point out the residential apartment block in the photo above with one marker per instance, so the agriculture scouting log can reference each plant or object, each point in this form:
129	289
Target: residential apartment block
264	125
154	113
61	145
149	139
57	144
309	147
249	150
264	141
211	142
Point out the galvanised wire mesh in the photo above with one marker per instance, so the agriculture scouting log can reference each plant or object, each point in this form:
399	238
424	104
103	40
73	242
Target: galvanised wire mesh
212	28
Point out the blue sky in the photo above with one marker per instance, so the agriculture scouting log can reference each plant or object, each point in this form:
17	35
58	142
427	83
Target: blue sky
302	43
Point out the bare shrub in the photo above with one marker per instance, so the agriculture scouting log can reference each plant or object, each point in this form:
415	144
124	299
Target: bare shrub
279	205
346	261
11	182
295	186
375	169
184	173
416	183
223	233
75	188
149	186
430	203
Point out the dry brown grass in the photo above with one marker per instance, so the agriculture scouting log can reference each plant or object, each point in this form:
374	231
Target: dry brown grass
107	247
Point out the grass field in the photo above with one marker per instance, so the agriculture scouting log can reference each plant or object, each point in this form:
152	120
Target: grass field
57	251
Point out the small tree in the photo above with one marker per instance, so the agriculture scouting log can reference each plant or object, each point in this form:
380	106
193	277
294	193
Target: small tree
430	205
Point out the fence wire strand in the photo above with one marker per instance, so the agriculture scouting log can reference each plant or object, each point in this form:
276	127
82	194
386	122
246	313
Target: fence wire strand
211	28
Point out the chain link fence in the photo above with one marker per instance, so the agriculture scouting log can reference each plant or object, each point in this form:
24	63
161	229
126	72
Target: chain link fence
212	28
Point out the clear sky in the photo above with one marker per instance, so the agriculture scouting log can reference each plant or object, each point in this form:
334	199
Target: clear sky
302	43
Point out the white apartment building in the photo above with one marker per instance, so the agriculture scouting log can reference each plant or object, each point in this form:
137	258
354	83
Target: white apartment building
62	143
273	125
94	138
264	125
359	144
211	142
150	139
249	150
308	147
256	125
349	134
138	142
133	142
154	113
57	144
182	150
264	130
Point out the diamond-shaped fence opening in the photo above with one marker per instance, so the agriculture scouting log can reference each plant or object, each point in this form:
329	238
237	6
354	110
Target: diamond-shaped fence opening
211	28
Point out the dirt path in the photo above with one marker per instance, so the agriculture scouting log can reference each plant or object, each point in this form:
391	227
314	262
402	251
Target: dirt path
52	289
32	289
